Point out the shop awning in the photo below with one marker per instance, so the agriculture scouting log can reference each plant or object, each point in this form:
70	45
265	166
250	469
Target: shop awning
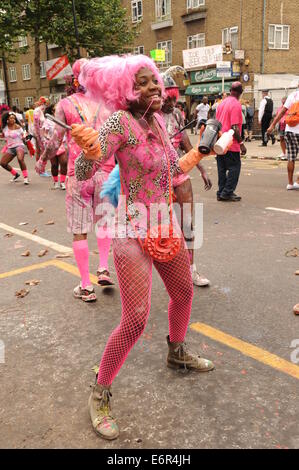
208	88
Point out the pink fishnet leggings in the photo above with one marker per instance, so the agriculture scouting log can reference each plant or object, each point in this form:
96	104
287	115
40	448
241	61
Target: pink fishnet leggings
134	272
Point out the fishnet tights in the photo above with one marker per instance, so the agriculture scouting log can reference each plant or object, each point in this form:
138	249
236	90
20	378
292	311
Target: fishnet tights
134	272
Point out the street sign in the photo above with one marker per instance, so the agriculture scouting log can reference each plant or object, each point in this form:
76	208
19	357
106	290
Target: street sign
58	68
202	56
158	55
239	54
224	69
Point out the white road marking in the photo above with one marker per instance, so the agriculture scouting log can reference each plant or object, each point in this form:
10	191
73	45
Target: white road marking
288	211
34	238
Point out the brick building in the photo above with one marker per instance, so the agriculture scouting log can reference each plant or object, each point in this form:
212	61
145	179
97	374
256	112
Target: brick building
266	30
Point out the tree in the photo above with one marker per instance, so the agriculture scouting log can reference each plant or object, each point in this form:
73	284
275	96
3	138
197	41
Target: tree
103	27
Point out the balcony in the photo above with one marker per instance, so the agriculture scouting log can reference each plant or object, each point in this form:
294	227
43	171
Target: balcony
162	22
195	14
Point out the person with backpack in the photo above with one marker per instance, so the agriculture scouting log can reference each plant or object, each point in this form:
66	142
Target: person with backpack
290	110
249	121
265	116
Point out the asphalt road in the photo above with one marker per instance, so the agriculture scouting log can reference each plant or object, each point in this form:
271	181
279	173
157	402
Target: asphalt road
243	322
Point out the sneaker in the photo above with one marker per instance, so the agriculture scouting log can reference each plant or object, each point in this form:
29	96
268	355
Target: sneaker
62	186
17	175
26	181
290	186
87	294
273	139
104	278
56	185
45	175
231	197
199	280
180	357
103	421
296	185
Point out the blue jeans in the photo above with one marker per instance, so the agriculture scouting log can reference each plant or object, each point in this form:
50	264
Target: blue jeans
229	168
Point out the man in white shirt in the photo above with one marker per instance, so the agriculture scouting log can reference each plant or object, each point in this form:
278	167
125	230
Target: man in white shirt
291	138
265	116
202	111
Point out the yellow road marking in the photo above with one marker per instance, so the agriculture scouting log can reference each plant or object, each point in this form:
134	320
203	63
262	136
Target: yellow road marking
69	268
26	269
36	239
248	349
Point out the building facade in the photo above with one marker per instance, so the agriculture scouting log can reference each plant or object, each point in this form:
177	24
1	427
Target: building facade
259	37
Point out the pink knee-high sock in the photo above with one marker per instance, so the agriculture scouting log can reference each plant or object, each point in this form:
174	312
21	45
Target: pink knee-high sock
25	173
62	178
81	253
55	179
104	247
13	172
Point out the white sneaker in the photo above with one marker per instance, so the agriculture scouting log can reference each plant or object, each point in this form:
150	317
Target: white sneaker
199	280
296	185
26	181
290	186
87	294
62	186
56	185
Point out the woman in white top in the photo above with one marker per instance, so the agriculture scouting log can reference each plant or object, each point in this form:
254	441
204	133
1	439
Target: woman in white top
15	147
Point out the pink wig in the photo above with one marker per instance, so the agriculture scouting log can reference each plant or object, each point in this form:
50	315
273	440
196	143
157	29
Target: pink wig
77	66
112	79
172	93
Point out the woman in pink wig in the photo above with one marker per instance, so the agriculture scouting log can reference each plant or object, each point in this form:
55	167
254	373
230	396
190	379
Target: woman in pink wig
82	197
135	133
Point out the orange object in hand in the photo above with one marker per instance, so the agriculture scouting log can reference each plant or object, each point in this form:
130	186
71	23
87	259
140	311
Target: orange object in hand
192	158
88	139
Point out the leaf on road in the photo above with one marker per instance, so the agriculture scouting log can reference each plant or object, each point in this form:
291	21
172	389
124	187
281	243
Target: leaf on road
22	293
297	273
294	252
32	282
42	253
64	255
95	252
34	231
8	235
50	222
95	369
40	210
26	253
23	223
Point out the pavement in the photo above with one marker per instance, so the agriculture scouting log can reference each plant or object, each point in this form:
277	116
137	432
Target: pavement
243	322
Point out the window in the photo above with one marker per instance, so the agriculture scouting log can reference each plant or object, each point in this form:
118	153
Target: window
279	36
12	74
28	101
167	46
194	4
137	10
23	41
26	73
138	50
42	70
163	10
231	35
199	40
1	74
16	102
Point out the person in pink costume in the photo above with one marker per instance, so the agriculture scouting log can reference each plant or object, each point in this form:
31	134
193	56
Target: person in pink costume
135	133
38	121
82	197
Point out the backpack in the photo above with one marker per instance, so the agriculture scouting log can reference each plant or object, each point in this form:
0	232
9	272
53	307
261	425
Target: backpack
292	115
269	106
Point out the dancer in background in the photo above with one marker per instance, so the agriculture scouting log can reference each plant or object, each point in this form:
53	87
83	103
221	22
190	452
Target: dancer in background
38	121
182	183
60	160
137	136
82	197
15	146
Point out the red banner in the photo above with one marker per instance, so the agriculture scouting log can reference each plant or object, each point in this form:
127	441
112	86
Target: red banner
57	67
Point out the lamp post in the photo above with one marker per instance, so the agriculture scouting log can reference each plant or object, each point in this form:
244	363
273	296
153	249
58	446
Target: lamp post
76	29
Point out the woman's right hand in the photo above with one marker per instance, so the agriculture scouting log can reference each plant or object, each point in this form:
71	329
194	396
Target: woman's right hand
88	139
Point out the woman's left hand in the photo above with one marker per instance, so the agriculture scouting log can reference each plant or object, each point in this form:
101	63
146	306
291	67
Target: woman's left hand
208	183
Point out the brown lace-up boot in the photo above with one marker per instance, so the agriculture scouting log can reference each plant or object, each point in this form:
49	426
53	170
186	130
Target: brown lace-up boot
99	405
179	357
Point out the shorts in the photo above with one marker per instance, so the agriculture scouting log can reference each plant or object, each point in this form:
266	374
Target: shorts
281	132
13	150
180	179
292	143
82	199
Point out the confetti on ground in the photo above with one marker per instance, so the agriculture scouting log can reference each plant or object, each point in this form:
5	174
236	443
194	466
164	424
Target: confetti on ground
22	293
26	253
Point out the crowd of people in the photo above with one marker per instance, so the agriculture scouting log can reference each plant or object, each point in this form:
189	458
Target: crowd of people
123	112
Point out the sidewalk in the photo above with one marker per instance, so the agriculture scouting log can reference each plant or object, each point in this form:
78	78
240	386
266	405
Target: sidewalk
254	151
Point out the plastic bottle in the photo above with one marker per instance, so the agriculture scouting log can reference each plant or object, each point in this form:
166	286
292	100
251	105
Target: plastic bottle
222	145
